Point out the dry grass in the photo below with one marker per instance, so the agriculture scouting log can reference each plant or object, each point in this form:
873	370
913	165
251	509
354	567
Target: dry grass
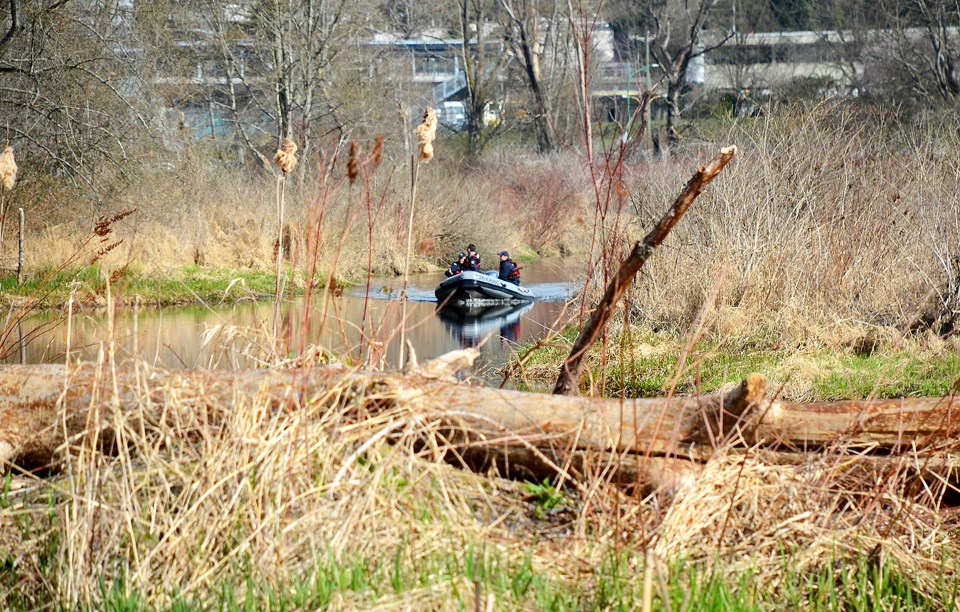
825	226
830	219
262	498
750	514
227	219
828	222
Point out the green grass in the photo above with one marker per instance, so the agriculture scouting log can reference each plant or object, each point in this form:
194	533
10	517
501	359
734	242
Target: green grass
890	375
838	375
862	584
190	284
821	374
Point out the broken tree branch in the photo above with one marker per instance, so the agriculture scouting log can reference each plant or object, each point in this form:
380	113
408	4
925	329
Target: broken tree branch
569	378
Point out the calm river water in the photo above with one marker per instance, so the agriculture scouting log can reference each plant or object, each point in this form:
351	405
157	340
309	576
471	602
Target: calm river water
236	335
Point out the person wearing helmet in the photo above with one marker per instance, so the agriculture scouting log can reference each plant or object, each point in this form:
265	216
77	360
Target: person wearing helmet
509	270
473	258
458	266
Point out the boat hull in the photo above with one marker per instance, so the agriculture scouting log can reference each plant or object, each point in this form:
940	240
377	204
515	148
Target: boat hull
477	288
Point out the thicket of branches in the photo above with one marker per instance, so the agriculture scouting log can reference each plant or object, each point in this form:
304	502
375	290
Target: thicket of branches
90	87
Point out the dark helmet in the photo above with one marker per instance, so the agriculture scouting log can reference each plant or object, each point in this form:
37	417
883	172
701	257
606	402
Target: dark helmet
504	254
461	255
471	247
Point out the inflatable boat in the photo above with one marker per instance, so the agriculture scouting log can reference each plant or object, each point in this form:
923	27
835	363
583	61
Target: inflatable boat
479	288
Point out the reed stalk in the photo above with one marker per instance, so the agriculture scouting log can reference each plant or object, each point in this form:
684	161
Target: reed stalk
426	133
281	184
414	178
8	179
286	160
375	159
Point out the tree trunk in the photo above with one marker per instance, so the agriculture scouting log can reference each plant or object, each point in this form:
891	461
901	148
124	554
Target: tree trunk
45	410
541	119
673	113
42	405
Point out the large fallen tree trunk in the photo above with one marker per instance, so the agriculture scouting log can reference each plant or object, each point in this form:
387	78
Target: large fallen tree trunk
46	408
43	405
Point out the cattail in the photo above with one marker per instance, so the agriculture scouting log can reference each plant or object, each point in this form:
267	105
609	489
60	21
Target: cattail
426	133
286	157
353	164
377	156
8	169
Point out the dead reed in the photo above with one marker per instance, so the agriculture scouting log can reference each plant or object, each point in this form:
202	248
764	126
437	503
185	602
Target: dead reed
286	160
8	169
8	179
286	156
426	133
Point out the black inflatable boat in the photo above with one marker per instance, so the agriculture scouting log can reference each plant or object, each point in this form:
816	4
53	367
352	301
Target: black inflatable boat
478	288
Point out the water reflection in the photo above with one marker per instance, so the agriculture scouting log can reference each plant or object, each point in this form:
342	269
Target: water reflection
470	325
358	329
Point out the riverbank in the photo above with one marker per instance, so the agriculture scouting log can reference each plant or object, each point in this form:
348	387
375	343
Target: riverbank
643	363
191	284
87	287
777	243
815	259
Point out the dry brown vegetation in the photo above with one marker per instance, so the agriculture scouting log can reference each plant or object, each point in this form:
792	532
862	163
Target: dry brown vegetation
224	218
830	219
327	501
830	229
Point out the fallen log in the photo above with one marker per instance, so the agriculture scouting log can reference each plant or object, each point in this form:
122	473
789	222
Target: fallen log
46	408
41	406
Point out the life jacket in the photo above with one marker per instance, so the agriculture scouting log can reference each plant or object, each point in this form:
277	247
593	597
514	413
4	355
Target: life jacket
454	269
514	276
473	262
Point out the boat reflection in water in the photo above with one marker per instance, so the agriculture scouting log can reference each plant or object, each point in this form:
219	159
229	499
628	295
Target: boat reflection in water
470	324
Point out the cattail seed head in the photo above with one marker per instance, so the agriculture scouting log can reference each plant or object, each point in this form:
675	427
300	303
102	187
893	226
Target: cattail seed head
8	169
427	133
377	156
353	163
286	158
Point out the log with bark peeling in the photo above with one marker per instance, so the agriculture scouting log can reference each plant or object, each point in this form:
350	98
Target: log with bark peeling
42	407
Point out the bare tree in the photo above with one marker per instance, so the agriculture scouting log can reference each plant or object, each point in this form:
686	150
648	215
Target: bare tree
305	38
908	50
407	17
928	44
673	29
532	30
482	63
69	91
269	65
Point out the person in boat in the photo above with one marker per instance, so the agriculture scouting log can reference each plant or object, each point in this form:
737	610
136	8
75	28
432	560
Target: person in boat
473	258
458	266
509	270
